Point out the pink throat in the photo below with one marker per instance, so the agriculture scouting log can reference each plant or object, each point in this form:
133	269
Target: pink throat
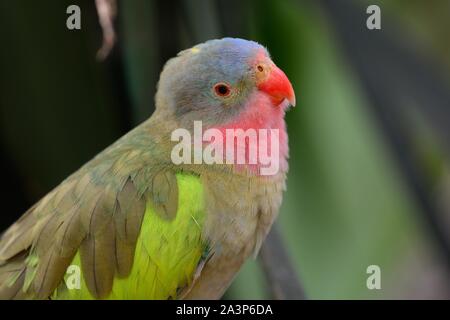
262	116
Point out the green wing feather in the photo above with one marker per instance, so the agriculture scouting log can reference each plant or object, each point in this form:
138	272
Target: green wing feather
167	252
126	218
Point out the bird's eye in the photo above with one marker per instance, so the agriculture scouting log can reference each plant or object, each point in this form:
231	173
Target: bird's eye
222	89
260	68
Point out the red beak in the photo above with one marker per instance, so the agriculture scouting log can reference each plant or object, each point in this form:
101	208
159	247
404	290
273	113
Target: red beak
278	86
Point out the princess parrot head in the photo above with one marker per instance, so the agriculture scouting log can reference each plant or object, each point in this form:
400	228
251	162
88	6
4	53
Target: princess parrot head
220	80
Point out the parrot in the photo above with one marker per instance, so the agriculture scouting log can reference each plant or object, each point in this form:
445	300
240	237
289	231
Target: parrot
133	224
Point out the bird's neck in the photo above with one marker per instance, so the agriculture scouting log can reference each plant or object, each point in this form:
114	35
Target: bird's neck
261	129
256	138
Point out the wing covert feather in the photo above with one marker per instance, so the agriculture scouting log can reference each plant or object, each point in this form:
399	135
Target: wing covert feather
94	218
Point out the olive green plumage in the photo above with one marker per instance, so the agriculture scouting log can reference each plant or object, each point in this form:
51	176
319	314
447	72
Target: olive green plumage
167	252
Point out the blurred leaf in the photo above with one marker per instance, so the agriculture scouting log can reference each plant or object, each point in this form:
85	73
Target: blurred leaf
141	54
344	209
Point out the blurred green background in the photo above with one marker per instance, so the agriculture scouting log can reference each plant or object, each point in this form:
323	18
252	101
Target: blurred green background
349	202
